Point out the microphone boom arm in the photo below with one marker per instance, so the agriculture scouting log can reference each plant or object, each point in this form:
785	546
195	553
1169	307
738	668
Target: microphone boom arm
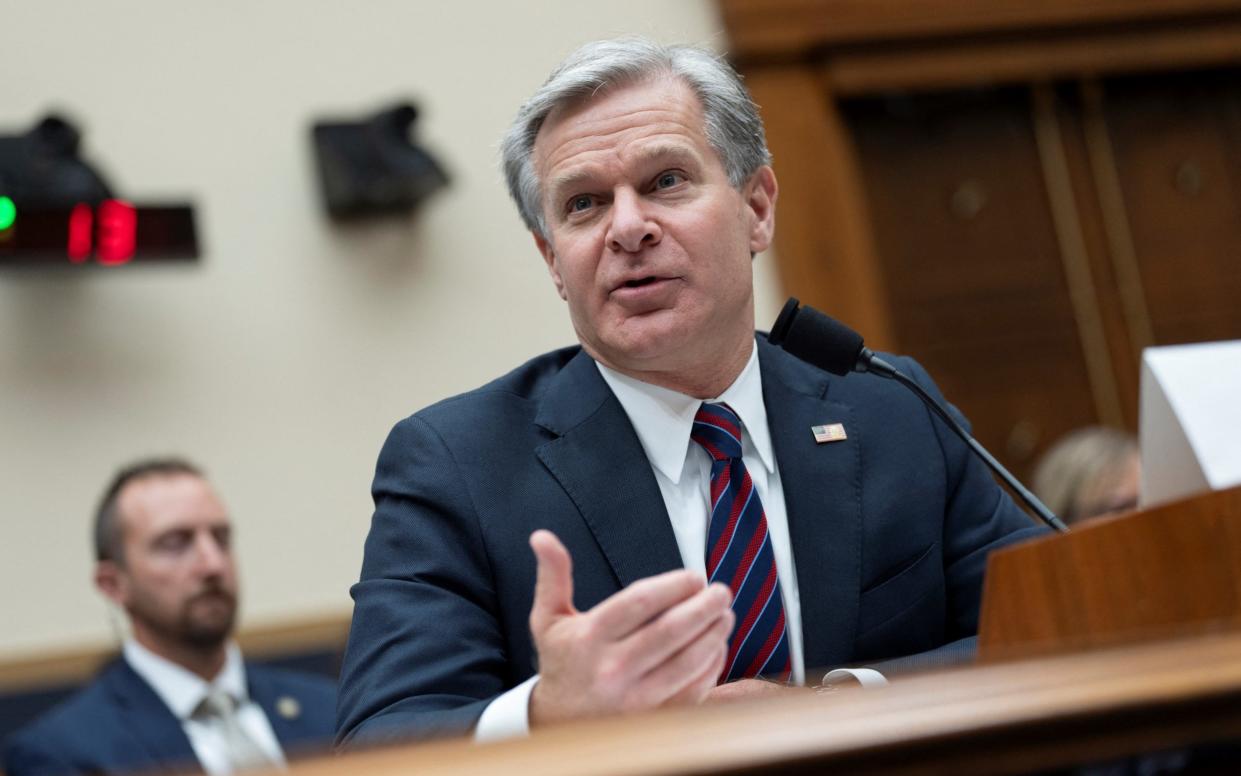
878	366
830	345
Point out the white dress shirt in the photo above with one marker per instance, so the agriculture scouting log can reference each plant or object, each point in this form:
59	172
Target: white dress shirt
663	420
182	691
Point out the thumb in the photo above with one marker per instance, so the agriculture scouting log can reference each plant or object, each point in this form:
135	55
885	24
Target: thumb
553	587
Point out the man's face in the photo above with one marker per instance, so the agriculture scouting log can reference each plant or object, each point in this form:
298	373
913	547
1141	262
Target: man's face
646	238
177	579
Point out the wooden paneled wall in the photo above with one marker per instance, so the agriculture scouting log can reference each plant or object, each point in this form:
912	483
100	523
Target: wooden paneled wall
1021	195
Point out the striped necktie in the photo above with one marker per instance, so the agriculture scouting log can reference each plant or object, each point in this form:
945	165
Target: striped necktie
739	552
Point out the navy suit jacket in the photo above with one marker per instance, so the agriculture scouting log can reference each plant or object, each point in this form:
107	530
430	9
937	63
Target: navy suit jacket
890	530
117	724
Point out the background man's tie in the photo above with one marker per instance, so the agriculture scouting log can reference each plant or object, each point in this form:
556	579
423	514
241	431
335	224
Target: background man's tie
219	709
739	552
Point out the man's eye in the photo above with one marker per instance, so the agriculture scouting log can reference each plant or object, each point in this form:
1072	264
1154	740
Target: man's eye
173	542
580	203
668	180
223	538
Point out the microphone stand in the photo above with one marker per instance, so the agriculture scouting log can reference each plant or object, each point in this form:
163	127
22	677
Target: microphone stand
878	366
830	345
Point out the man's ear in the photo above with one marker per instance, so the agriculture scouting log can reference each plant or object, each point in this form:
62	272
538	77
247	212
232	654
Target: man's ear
760	194
112	581
549	256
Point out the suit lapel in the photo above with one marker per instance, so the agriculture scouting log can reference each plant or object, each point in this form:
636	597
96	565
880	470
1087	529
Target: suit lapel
822	494
283	709
152	725
598	460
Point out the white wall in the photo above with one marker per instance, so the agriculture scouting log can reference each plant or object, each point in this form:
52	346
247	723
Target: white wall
281	360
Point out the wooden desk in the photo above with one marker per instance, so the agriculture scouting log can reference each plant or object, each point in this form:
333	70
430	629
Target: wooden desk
1005	718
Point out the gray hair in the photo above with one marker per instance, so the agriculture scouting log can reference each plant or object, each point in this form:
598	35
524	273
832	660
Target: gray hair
732	125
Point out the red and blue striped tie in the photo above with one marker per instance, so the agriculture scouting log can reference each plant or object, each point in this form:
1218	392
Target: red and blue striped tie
739	552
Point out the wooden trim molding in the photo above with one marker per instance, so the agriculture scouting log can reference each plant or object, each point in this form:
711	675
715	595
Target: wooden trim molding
1123	253
1082	293
52	668
957	64
823	239
785	29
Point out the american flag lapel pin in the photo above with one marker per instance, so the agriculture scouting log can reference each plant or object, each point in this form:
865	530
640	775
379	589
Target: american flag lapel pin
832	432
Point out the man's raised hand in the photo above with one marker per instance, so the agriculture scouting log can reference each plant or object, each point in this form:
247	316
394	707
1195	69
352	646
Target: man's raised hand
662	640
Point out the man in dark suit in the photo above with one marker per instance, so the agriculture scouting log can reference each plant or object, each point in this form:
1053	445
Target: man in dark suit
709	517
180	694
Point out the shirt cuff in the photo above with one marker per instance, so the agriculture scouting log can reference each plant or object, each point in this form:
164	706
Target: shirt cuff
508	716
867	677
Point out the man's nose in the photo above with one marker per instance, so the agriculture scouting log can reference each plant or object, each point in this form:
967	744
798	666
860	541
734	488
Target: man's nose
632	227
213	557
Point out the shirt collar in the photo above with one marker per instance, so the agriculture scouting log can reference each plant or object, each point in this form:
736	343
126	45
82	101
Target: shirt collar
180	689
663	418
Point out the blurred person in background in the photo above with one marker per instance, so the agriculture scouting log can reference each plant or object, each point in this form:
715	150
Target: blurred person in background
180	697
1089	472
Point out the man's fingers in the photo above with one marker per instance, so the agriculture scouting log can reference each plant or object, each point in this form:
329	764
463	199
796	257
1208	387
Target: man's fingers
751	688
685	673
631	608
677	627
553	586
699	688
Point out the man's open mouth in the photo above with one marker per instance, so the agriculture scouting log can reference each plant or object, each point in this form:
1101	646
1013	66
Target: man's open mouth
639	282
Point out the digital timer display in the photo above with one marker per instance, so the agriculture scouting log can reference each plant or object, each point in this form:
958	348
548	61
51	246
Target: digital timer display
111	233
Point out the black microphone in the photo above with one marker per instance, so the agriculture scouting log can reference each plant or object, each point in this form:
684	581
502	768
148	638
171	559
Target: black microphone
828	344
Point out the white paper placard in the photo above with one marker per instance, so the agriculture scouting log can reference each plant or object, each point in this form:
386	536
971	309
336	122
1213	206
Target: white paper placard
1190	424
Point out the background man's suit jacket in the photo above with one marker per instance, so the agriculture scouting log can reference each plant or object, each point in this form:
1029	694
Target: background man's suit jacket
117	724
890	530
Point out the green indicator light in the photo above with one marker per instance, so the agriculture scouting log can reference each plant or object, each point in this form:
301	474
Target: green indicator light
8	213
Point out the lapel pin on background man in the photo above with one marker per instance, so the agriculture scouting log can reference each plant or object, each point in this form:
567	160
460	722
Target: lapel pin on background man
691	535
180	694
